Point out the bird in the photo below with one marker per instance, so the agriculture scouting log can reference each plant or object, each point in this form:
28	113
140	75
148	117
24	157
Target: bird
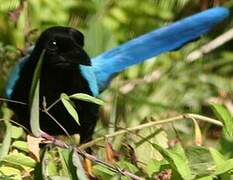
67	68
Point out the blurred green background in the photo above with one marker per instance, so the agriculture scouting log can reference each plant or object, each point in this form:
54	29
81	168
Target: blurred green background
162	87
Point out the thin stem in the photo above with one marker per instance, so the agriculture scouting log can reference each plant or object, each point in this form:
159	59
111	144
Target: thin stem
219	41
91	157
13	101
53	104
63	129
153	123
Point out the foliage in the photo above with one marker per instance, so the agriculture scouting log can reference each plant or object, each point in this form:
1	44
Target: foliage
148	92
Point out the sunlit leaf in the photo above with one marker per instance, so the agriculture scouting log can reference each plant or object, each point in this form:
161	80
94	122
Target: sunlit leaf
127	165
200	160
177	159
17	132
198	136
217	156
222	166
69	107
67	164
8	133
20	159
21	145
102	172
9	173
144	143
154	166
225	116
88	98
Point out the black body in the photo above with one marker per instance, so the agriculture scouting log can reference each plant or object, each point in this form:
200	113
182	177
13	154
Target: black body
60	73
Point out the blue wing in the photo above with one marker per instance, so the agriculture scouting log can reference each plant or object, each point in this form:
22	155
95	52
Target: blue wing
14	75
108	64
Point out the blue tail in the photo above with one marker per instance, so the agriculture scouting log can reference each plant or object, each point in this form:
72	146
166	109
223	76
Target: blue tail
165	39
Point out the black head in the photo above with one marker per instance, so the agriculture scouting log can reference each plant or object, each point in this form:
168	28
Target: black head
63	47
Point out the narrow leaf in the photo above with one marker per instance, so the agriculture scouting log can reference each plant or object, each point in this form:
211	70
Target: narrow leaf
177	159
21	145
69	107
9	173
7	138
35	113
66	159
224	115
34	99
36	77
79	168
20	159
222	166
87	98
217	156
17	132
198	136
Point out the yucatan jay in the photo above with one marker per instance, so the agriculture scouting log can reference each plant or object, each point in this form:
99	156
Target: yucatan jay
68	68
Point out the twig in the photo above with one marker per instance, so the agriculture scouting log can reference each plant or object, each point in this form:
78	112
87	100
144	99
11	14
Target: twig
220	40
153	123
53	104
13	101
52	140
54	119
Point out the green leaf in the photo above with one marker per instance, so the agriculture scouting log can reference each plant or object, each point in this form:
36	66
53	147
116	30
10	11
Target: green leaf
42	168
87	98
69	107
224	115
36	77
39	168
217	156
145	141
154	166
127	165
9	173
200	160
21	145
20	159
59	178
17	132
35	113
80	172
66	157
50	164
177	159
222	166
102	172
6	141
34	99
8	133
206	178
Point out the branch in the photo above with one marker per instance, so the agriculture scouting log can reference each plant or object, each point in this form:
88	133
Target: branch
52	140
219	41
151	124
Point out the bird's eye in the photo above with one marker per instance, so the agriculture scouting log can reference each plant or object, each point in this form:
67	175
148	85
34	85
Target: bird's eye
52	45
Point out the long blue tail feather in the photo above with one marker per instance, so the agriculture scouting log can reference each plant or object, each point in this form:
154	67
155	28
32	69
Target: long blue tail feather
109	63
